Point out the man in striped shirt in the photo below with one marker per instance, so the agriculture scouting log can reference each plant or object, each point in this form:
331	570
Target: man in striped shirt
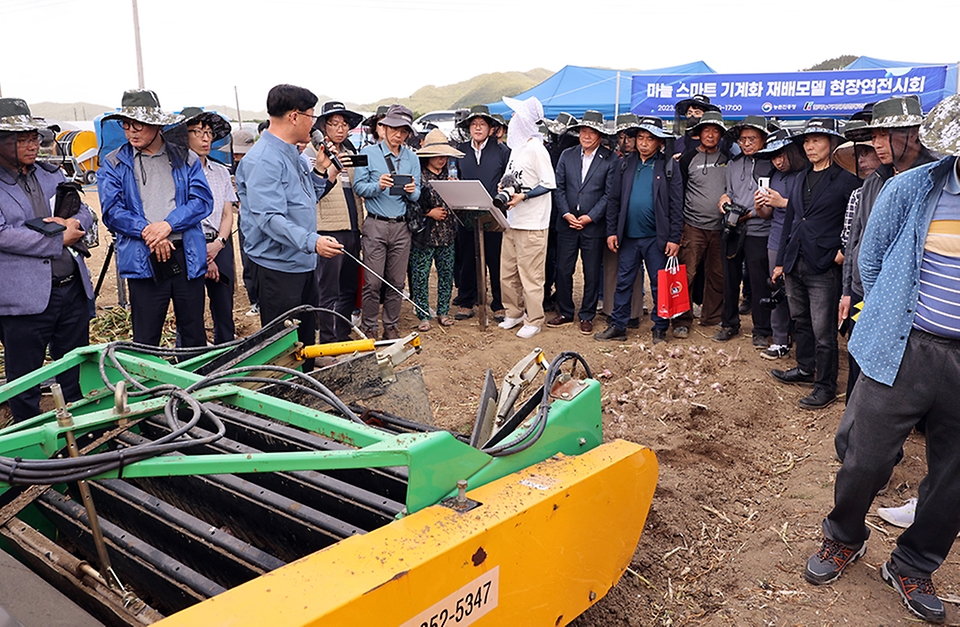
907	341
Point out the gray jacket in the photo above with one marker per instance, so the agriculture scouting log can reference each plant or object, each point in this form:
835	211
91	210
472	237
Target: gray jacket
25	255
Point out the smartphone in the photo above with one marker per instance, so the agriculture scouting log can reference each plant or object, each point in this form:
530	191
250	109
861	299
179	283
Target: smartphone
763	182
354	161
47	228
399	181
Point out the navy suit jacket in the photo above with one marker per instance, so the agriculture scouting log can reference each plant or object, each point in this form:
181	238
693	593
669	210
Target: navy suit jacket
815	232
25	254
667	200
591	197
493	163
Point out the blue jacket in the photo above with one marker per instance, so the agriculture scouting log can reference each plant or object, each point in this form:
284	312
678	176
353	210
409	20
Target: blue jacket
890	256
25	254
590	197
123	210
667	200
816	230
278	193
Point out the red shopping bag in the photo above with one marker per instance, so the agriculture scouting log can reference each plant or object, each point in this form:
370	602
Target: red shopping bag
673	295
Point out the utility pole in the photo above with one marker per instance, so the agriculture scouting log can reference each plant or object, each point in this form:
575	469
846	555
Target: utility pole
136	36
237	99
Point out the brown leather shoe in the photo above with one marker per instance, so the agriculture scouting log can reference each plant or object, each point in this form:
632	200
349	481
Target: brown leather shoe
586	327
559	321
391	333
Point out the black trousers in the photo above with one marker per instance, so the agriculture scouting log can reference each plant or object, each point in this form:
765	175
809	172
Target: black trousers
927	386
590	250
754	253
250	273
465	267
220	294
63	326
338	281
279	292
150	299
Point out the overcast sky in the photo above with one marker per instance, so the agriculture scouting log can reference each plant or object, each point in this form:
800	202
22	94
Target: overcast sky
195	51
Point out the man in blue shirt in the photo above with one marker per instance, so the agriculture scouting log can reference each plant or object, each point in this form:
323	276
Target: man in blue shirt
907	341
386	238
279	197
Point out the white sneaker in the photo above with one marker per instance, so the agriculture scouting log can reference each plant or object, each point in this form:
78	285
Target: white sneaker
528	331
254	311
899	516
509	323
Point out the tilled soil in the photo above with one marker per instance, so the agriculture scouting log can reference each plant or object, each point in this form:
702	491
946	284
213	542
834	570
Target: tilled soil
746	476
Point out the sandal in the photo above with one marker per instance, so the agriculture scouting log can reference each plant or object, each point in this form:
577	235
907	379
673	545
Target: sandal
424	326
445	321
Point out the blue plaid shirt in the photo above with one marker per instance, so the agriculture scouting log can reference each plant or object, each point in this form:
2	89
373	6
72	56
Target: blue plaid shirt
890	255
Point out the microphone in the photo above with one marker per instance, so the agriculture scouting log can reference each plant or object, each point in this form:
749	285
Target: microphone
319	141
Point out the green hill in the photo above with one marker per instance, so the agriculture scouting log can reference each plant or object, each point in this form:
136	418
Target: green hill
477	90
833	64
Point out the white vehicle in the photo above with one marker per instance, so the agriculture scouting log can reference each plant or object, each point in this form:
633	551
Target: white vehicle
443	120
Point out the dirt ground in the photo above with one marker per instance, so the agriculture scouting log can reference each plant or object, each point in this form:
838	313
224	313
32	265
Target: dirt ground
745	475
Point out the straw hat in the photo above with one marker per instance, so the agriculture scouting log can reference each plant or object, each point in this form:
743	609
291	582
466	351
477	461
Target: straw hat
845	155
436	144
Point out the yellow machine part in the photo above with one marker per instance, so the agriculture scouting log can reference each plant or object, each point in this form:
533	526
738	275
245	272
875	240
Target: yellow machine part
544	545
83	146
337	348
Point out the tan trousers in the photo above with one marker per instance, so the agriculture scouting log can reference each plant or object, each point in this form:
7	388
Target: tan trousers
523	257
610	261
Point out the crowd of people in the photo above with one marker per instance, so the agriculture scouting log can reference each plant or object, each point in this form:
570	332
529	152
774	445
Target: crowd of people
806	229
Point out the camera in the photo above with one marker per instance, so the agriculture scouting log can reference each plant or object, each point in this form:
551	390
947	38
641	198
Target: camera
731	219
777	295
509	185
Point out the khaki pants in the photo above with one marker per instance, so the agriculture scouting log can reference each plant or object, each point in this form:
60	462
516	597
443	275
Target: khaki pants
610	262
523	257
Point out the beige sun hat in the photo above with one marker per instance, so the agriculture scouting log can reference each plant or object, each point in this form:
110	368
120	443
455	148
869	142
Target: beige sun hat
436	144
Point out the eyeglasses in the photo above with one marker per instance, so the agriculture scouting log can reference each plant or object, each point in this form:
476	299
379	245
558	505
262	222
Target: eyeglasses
748	140
130	125
201	132
304	113
29	139
337	124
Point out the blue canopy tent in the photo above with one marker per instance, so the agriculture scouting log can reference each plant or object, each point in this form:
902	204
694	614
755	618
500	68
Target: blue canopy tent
867	63
575	89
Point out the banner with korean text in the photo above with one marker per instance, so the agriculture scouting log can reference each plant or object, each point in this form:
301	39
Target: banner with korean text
793	94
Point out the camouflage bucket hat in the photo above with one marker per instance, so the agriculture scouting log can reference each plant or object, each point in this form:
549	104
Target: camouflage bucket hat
940	131
478	111
220	126
896	113
594	120
15	116
627	121
857	131
756	122
654	126
714	118
142	105
562	124
776	141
